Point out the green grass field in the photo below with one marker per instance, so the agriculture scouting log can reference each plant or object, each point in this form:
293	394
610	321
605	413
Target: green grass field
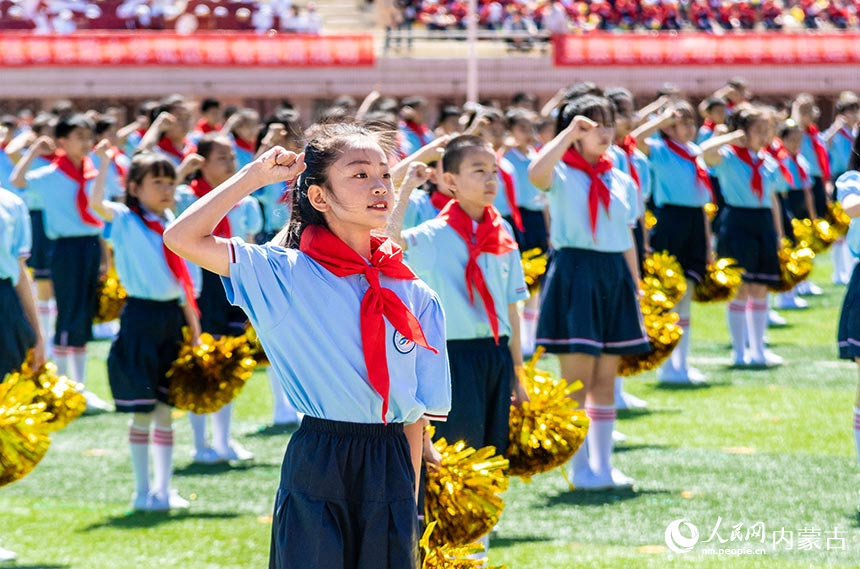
755	446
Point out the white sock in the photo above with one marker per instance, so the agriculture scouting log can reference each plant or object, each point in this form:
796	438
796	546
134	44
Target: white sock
198	430
162	460
757	324
683	308
46	310
528	331
857	431
138	442
838	256
79	364
600	438
850	262
62	357
282	411
619	388
737	326
221	429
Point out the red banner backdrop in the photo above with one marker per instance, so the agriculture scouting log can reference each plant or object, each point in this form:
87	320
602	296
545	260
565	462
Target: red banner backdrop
707	49
89	49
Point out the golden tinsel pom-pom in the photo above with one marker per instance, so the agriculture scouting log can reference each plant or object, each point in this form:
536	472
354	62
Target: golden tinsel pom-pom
63	398
548	429
204	378
534	266
255	347
815	234
720	282
24	436
838	219
464	494
449	556
711	210
663	280
650	220
663	334
112	297
795	264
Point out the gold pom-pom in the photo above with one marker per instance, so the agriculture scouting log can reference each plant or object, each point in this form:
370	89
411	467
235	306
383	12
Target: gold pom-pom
650	220
63	398
838	219
663	280
795	264
449	556
711	210
464	494
255	347
720	282
663	334
817	234
112	297
23	433
204	378
534	266
548	429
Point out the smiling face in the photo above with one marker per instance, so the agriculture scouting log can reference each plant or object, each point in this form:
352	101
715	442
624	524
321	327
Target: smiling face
476	183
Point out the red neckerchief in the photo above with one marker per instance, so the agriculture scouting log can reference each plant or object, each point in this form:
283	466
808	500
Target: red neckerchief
79	176
112	153
419	130
598	193
204	127
201	187
140	132
701	174
379	303
439	200
846	133
709	124
167	146
628	145
510	195
245	145
804	177
756	181
490	237
820	151
778	151
175	263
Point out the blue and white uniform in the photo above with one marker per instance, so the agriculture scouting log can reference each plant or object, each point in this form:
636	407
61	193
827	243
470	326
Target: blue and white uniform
16	334
530	201
848	184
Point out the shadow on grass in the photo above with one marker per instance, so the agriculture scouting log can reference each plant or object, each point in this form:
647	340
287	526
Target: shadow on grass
497	542
627	414
660	386
598	498
273	431
139	520
624	447
221	468
14	566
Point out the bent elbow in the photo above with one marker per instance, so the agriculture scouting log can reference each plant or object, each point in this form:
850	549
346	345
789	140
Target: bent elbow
172	239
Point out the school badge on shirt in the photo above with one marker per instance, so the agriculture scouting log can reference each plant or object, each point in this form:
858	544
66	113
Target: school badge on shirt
401	343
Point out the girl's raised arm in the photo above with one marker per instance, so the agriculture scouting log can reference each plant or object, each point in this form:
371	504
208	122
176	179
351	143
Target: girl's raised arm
97	196
190	236
542	167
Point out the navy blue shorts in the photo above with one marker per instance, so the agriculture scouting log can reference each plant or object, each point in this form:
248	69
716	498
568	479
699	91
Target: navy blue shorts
589	306
819	196
748	235
720	203
639	241
42	249
795	204
75	274
217	316
788	202
482	376
681	231
16	333
149	339
346	499
849	320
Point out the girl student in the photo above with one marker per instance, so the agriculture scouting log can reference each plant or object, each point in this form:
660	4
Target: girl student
848	194
589	309
216	162
840	140
243	127
168	131
682	187
160	302
368	366
751	230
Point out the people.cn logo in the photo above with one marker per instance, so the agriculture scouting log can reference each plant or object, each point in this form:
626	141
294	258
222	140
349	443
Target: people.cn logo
678	542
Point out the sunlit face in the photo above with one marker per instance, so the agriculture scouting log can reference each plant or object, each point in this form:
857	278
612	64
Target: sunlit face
758	134
684	128
597	140
623	117
155	193
220	164
183	122
477	182
717	114
523	132
77	144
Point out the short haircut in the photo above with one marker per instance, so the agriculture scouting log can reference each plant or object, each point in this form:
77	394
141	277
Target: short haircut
711	102
457	149
104	124
209	103
847	101
65	125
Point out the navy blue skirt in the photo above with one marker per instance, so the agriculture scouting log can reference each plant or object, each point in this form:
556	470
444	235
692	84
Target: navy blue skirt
75	274
681	231
346	499
589	306
748	235
217	316
149	339
16	333
482	376
819	196
534	234
42	249
849	320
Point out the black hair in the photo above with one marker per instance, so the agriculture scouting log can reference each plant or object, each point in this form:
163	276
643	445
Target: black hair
744	116
854	162
596	108
9	121
104	124
413	101
616	95
209	103
65	125
43	124
207	143
737	82
458	147
290	118
518	114
711	102
143	163
165	104
246	115
63	108
847	101
580	89
347	102
447	112
326	143
787	127
492	114
146	108
522	98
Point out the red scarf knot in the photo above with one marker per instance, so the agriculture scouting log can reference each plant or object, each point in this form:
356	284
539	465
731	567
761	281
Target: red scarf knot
780	153
701	173
439	200
756	182
510	195
166	145
709	125
245	145
80	176
820	152
420	130
628	145
598	193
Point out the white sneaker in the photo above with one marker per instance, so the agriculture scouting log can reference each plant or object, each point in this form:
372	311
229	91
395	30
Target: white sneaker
774	320
173	501
6	555
809	288
739	360
95	404
629	401
621	481
689	376
587	480
618	437
786	302
768	359
106	330
206	456
236	453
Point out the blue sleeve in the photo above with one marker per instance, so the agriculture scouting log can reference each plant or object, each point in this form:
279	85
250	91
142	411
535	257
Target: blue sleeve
433	375
848	184
658	151
184	198
115	230
253	216
725	165
420	248
260	282
517	288
38	180
22	236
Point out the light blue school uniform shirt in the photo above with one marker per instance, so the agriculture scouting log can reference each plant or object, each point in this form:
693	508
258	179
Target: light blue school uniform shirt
568	207
704	133
276	214
243	157
15	235
411	142
439	255
245	218
675	181
736	177
619	159
6	167
848	184
795	173
139	256
419	209
309	325
501	201
58	194
33	200
840	149
528	196
808	152
132	141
